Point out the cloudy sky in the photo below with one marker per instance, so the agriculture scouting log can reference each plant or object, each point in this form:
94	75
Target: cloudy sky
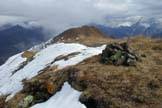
61	14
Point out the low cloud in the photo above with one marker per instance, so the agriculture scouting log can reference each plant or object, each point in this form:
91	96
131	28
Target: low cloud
61	14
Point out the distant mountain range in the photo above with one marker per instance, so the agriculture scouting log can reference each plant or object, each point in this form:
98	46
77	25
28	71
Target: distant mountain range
153	29
14	39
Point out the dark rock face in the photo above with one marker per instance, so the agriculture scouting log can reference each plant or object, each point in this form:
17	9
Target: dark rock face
89	103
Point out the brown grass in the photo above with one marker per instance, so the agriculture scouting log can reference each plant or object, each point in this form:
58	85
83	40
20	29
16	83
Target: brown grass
28	54
123	87
87	35
108	86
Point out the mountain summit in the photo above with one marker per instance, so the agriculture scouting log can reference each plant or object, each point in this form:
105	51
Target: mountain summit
84	34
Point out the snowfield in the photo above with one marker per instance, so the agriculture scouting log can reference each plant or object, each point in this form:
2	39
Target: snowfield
11	83
6	71
66	98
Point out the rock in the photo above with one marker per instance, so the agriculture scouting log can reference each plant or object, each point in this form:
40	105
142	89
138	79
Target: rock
89	102
50	87
38	89
25	103
66	57
118	54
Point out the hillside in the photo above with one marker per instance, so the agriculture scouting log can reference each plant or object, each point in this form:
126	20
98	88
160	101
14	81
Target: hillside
86	35
71	75
14	39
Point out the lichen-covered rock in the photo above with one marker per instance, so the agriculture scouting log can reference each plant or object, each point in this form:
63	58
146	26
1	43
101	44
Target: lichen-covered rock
26	102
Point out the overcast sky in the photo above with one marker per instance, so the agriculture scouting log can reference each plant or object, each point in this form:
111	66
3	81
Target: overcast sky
61	14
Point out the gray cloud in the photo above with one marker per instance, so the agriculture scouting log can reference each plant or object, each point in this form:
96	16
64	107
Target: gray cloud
61	14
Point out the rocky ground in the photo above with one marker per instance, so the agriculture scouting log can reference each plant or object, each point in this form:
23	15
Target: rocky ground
102	85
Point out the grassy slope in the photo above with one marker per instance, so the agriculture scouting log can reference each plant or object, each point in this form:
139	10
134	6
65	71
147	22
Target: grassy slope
107	86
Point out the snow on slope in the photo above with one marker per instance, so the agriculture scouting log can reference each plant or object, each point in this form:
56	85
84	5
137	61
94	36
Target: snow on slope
13	83
66	98
85	53
10	66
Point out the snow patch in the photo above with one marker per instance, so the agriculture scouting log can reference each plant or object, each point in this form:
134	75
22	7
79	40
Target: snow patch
12	83
89	52
10	66
66	98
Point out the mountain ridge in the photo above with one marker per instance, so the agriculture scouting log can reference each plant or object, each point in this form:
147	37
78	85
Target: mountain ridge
14	39
153	30
40	78
81	34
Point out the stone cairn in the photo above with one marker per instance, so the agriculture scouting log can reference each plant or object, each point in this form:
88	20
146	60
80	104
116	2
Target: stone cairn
118	54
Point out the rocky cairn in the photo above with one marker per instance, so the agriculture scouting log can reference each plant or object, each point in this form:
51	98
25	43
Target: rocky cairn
118	54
